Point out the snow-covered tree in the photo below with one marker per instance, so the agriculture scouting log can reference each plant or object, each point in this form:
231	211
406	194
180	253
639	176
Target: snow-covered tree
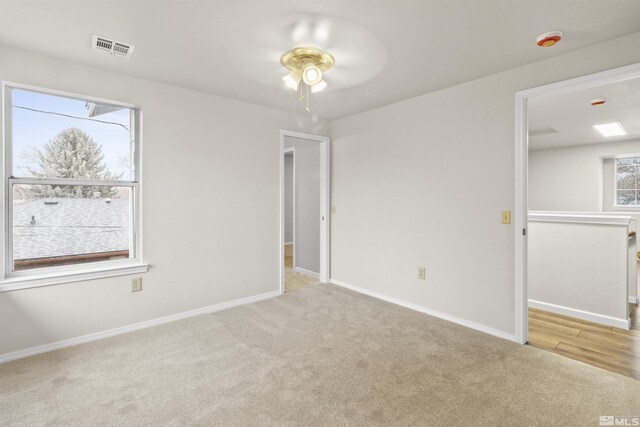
71	154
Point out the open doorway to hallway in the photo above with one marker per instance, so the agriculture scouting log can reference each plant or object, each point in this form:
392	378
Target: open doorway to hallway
304	218
581	162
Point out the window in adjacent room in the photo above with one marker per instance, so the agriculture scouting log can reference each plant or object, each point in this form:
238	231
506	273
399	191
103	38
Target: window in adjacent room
627	181
71	185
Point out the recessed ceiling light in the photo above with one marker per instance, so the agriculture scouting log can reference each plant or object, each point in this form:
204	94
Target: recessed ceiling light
611	129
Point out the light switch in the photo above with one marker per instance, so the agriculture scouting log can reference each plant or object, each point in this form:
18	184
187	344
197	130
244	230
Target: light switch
333	209
506	217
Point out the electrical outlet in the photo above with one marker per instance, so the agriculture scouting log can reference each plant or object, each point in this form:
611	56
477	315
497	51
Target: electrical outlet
136	284
506	217
422	273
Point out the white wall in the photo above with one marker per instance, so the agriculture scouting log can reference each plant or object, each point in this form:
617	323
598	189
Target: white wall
419	182
422	183
579	267
578	178
307	203
199	231
288	198
573	178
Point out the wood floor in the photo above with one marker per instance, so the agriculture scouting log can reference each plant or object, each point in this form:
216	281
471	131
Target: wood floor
293	280
606	347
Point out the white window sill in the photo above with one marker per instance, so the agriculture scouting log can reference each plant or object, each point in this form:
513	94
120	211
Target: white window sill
37	280
626	208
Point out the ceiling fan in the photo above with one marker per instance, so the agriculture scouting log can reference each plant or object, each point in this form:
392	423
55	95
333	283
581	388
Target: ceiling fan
310	54
306	66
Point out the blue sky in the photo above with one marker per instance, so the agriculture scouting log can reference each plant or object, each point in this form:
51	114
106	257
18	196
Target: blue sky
34	129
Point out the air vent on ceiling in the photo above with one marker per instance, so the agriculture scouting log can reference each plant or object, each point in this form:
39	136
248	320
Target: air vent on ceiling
542	131
111	46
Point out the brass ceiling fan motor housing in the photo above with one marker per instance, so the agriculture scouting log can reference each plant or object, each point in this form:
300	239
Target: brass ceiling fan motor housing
301	57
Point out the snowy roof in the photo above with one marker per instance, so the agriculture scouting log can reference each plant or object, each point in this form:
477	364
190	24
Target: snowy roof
46	228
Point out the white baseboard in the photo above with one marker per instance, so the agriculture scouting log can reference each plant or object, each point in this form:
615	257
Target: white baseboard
430	312
633	300
134	327
581	314
288	243
307	272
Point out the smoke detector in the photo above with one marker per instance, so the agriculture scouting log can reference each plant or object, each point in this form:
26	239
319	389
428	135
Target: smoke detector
113	47
549	39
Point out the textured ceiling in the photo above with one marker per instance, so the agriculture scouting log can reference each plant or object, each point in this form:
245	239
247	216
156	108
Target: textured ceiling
573	117
386	51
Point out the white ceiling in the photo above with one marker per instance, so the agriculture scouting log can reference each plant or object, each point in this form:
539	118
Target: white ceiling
573	117
386	51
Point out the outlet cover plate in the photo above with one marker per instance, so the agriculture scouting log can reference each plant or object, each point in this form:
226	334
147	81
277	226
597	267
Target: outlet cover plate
136	284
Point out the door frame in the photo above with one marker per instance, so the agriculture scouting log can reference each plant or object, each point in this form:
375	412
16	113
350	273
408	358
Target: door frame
325	201
292	150
521	174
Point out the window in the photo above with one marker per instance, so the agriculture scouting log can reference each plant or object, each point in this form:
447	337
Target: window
628	181
71	188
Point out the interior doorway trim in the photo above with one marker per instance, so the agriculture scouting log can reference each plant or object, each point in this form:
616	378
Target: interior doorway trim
292	150
325	201
521	164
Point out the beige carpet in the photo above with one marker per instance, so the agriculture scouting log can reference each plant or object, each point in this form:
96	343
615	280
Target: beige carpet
318	356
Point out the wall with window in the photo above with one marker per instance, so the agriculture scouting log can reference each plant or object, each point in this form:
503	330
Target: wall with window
206	241
73	188
619	177
577	178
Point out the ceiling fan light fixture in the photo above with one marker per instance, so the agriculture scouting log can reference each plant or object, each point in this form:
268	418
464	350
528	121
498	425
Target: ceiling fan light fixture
306	64
312	75
292	80
318	87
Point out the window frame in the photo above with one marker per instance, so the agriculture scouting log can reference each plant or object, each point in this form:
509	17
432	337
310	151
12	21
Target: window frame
13	280
615	182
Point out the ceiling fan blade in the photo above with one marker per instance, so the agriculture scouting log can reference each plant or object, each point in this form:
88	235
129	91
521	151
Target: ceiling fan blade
359	54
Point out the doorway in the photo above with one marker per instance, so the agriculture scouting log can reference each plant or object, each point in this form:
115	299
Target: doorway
552	223
304	211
